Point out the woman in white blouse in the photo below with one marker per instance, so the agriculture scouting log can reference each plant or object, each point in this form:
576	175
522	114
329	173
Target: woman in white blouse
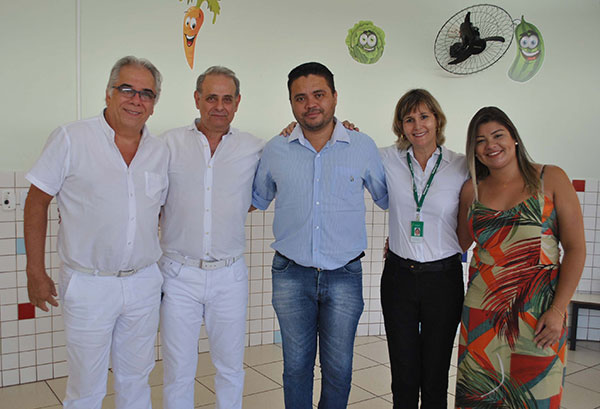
422	282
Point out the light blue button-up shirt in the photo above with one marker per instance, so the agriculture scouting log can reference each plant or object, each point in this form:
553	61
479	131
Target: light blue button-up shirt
320	207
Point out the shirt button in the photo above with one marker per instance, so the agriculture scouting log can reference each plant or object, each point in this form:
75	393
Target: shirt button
207	210
317	227
131	195
129	243
208	188
318	179
206	233
132	219
318	203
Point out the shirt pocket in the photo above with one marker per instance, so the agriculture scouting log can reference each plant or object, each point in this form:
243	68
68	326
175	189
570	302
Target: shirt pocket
155	184
347	182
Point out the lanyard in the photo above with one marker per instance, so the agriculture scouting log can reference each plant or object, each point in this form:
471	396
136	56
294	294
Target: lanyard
418	201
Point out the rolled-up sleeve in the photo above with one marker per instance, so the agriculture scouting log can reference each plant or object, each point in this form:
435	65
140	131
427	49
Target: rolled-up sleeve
263	188
375	178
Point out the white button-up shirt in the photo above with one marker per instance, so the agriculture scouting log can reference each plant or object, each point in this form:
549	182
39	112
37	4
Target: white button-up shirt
209	196
108	210
440	207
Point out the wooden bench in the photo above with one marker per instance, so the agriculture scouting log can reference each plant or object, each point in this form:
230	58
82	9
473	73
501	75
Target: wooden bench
586	301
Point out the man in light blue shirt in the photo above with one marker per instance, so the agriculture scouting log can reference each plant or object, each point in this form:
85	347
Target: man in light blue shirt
317	176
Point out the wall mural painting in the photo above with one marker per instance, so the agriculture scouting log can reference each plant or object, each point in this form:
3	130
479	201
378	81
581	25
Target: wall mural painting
192	21
530	52
365	42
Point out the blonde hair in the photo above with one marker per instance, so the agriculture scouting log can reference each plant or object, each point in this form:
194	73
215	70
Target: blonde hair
407	104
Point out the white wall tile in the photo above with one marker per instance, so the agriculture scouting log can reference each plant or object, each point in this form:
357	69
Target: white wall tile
26	358
44	372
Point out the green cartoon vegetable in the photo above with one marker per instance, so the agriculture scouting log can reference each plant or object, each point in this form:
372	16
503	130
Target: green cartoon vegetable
365	42
530	52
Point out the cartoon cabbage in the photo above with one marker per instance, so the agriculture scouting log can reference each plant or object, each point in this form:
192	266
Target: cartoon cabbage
365	42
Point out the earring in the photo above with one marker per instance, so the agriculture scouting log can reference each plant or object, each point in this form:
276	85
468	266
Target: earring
516	143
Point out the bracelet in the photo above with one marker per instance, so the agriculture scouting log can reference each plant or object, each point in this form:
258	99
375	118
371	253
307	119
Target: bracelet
558	311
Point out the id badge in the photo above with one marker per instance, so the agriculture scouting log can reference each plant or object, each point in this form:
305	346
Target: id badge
416	231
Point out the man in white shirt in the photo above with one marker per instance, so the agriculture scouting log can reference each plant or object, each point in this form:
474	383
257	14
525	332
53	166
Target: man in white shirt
109	176
211	171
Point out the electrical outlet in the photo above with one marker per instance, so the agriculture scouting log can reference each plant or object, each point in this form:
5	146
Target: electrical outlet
8	199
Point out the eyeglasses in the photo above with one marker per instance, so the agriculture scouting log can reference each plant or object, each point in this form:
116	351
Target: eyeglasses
146	95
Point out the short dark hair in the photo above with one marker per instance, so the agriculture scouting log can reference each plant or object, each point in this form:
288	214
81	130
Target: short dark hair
308	68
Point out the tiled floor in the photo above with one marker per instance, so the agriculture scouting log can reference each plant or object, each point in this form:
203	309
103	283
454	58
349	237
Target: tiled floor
264	365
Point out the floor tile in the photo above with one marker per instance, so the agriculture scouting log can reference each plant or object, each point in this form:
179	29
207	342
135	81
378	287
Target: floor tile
583	356
454	357
262	354
376	403
573	367
265	400
593	345
376	380
156	376
376	351
273	371
367	340
360	362
576	397
589	378
109	402
59	385
202	396
205	366
356	394
254	382
27	396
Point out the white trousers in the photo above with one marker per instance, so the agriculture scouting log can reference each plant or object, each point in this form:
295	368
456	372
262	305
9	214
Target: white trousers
110	315
219	298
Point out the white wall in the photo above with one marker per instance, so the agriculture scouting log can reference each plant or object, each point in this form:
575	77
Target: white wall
262	40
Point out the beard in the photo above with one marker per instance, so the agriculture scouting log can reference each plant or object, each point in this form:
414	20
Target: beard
312	125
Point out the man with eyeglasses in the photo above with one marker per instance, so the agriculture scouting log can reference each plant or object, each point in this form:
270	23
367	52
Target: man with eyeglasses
109	176
211	170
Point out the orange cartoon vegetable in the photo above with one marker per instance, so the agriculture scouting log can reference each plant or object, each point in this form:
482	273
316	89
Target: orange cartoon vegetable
192	21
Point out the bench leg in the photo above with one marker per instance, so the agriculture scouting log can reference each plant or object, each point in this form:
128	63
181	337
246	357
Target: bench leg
573	329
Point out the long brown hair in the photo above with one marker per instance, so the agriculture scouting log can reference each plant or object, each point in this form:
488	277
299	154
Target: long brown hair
407	104
478	170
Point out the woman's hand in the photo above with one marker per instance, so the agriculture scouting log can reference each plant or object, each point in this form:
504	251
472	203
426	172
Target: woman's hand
549	328
288	129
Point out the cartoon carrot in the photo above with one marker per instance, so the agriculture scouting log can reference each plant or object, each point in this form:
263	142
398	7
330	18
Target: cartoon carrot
192	21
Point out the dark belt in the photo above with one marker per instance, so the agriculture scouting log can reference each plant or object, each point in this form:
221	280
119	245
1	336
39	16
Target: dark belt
361	255
438	265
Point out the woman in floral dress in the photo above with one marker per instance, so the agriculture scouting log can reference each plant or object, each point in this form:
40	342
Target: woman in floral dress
513	330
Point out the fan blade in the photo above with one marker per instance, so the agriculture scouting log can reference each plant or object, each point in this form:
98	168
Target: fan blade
462	56
496	38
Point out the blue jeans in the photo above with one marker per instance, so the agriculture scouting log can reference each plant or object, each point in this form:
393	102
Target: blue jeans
308	302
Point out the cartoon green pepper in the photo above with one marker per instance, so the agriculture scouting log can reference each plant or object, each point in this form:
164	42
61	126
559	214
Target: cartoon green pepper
365	42
530	52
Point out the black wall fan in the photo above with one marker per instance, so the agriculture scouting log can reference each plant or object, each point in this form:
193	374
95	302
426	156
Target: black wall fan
473	39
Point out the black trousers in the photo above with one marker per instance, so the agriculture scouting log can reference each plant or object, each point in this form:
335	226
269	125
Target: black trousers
421	304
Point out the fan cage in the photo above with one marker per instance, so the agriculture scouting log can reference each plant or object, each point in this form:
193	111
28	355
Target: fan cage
491	21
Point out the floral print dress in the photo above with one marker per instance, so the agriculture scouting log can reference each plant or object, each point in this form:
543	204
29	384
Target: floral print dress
512	278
